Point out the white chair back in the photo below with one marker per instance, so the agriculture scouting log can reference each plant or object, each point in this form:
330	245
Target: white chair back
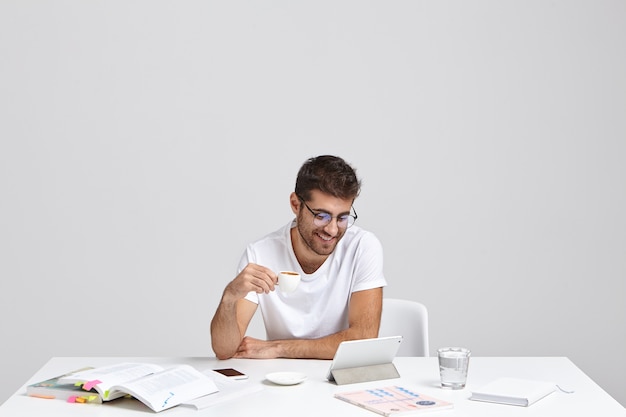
408	319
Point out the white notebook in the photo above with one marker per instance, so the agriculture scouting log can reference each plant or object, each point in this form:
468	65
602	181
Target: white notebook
513	391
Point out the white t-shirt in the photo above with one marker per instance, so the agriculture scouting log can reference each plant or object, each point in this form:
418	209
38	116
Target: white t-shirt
319	306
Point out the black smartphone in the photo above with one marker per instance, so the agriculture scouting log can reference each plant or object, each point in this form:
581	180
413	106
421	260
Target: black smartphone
231	373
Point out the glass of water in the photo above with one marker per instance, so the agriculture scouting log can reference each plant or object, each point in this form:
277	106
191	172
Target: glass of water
453	364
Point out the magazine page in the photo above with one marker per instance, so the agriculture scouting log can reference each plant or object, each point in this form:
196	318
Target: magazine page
104	377
168	388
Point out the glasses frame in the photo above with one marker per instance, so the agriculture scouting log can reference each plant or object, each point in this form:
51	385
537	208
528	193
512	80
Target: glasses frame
315	214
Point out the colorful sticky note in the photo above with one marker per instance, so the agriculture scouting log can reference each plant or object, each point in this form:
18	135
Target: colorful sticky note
71	399
90	384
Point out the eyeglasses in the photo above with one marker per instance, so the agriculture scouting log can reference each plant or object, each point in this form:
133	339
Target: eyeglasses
321	218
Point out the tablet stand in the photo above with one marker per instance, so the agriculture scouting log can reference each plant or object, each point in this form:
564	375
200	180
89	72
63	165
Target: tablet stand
365	373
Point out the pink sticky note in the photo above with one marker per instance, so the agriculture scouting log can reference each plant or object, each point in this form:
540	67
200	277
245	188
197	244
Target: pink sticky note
90	384
72	399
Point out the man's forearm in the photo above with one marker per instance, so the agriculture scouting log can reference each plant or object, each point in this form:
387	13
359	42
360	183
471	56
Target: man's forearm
225	334
322	348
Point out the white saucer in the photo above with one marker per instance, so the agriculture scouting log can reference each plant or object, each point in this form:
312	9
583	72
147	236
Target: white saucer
286	378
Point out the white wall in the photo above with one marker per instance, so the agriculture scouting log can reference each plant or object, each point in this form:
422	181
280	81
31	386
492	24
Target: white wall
144	143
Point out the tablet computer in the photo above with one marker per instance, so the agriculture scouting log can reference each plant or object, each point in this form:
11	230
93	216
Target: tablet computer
364	352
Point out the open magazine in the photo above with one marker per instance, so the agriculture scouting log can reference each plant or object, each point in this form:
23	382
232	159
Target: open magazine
157	387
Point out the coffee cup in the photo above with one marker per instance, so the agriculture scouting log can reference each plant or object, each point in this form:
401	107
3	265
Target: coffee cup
288	281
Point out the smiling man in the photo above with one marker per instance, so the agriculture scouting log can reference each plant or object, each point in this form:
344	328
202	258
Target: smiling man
340	294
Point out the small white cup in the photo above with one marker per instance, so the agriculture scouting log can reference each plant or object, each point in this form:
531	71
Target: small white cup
288	281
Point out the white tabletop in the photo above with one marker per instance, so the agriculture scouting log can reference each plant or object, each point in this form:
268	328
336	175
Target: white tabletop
314	397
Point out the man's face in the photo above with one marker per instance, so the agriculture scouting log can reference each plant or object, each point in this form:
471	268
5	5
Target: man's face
322	240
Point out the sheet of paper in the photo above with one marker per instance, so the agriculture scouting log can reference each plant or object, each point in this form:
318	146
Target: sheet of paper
228	390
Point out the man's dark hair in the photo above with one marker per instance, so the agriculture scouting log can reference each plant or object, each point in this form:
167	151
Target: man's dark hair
330	175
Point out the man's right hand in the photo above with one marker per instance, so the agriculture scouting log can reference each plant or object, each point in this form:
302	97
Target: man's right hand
253	277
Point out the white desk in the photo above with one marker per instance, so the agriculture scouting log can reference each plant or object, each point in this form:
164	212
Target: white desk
314	397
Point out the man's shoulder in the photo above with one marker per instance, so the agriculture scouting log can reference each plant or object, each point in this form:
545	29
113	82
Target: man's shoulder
358	235
358	242
277	236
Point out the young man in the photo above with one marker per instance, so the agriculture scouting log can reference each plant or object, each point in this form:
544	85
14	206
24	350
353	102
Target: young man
340	294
